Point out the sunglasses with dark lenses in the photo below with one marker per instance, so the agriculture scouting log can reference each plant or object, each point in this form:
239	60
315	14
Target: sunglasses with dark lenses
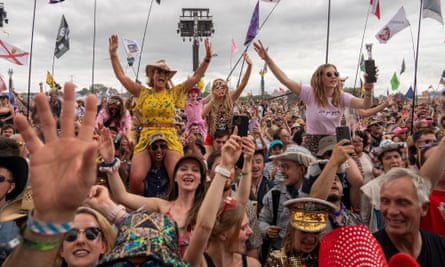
329	74
91	234
161	71
4	179
156	146
126	263
220	84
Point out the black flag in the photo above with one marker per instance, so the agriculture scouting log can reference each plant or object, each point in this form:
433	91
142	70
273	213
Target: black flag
63	39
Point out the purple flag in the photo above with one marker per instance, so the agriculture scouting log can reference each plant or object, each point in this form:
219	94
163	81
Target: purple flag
410	93
254	24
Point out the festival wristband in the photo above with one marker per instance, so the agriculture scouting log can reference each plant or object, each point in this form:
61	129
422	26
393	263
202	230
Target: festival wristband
110	167
223	171
41	245
44	228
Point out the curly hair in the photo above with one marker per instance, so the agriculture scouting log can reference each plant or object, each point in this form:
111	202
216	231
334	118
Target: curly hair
319	87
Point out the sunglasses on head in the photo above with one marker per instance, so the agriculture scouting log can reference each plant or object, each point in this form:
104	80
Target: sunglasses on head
91	234
161	71
4	179
156	146
329	74
220	84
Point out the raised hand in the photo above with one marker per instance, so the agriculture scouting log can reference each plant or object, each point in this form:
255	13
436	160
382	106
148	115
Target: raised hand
113	44
106	146
63	168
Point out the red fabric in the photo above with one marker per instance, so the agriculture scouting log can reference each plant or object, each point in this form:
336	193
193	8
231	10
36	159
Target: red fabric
434	220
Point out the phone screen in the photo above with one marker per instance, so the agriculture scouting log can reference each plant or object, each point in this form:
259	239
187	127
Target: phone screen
242	122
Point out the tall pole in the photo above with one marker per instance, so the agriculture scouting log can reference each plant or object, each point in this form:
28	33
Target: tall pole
94	49
195	41
10	72
415	66
328	30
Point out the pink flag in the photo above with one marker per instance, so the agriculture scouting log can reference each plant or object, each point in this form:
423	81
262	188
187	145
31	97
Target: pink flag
375	8
13	54
2	84
234	46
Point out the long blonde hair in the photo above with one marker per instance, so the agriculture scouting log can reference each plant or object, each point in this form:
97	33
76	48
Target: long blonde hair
225	105
319	88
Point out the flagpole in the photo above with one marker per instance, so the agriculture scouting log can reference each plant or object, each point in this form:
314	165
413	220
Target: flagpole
328	30
415	66
94	48
30	58
360	51
143	39
247	46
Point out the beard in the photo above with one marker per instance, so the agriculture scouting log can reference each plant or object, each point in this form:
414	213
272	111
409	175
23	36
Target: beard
333	198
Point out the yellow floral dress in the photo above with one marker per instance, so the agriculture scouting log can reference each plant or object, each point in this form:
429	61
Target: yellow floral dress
159	107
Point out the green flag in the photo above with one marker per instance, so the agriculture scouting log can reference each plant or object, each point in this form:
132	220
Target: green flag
395	83
208	88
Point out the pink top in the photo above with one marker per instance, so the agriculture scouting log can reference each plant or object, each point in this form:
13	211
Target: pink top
125	123
323	120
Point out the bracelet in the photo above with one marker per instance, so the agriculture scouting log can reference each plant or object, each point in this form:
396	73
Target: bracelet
245	173
207	59
110	167
223	171
41	245
44	228
112	216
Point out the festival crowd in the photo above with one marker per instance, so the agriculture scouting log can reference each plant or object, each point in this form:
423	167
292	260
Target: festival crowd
168	177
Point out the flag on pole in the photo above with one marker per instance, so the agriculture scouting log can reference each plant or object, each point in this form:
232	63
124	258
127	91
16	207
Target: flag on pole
62	39
432	9
131	47
254	24
13	54
50	80
410	93
2	84
375	8
395	83
55	1
403	67
396	24
234	46
442	79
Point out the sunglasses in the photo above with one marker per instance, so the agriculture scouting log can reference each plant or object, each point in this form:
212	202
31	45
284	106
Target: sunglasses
329	74
156	146
220	84
91	234
161	71
4	179
126	263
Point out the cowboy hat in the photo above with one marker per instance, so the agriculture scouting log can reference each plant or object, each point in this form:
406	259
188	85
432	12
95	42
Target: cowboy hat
160	64
18	208
19	169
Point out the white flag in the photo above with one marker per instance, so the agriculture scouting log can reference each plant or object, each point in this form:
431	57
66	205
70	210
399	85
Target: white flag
431	9
396	24
132	47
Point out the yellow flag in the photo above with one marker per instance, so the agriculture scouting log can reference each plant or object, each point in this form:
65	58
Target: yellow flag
50	80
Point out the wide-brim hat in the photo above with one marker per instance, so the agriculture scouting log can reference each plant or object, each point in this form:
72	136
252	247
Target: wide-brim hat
388	145
309	214
153	236
160	64
19	169
17	208
296	153
326	144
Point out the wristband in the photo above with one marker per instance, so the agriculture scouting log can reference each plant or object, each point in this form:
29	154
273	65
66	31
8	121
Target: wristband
207	59
41	245
110	167
112	216
245	173
224	172
44	228
111	164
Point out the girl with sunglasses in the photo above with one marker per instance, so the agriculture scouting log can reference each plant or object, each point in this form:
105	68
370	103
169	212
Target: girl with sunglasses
115	115
218	112
157	102
90	237
325	99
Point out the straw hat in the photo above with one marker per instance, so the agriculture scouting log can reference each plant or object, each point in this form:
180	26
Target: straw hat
18	208
160	64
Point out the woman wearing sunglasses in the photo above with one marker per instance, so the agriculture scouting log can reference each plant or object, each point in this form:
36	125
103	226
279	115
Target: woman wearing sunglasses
325	99
218	112
115	115
157	102
90	237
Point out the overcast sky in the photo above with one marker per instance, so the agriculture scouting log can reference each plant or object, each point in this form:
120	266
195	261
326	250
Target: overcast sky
295	34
